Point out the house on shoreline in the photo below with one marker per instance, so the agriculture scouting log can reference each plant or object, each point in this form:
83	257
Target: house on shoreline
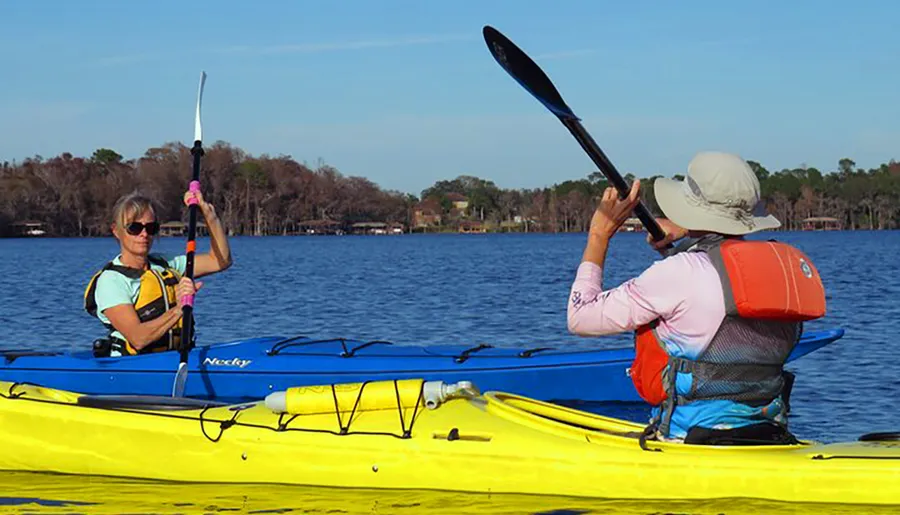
25	228
323	226
178	228
376	228
472	227
821	223
632	224
427	214
459	205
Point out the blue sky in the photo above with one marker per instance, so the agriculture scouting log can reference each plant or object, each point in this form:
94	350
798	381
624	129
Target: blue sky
405	92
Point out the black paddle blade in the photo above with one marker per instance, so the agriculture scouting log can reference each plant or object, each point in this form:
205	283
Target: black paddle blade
526	72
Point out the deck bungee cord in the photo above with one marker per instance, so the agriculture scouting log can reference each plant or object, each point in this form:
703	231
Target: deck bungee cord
349	352
163	407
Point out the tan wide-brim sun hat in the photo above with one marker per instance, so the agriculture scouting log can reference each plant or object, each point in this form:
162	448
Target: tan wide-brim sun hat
720	194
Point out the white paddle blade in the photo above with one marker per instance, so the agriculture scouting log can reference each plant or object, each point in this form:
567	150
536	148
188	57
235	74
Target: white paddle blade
198	128
180	380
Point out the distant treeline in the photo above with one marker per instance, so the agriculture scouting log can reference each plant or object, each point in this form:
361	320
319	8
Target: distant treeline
73	196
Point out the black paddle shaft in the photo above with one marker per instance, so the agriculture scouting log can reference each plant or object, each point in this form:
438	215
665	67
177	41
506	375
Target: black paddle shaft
530	76
602	162
187	328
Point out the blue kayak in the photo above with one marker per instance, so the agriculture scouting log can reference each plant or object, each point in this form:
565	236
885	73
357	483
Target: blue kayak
250	369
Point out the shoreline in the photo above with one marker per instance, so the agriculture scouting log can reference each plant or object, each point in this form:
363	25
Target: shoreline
419	233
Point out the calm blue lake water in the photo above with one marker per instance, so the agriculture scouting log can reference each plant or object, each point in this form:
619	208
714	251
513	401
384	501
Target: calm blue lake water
507	289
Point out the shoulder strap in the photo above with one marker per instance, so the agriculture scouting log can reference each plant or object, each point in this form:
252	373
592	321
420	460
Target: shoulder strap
131	273
701	244
136	273
90	304
158	260
708	243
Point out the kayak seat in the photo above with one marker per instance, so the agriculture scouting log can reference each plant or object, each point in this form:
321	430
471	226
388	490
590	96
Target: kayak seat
148	402
764	433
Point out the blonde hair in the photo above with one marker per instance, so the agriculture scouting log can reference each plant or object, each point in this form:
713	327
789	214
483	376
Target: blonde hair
131	206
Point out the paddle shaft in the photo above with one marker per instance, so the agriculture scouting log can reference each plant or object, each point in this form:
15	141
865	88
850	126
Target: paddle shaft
187	330
609	170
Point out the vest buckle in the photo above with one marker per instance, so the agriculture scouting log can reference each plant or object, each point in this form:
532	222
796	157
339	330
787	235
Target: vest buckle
102	347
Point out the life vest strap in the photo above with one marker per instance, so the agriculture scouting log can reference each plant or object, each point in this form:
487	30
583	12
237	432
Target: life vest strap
729	381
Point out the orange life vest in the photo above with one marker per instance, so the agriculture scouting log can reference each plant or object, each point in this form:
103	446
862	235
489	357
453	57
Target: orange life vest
761	281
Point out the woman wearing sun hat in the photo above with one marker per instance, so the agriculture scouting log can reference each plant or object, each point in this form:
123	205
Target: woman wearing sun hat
716	319
137	296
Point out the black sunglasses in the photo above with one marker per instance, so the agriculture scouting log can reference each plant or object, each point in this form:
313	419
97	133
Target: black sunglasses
135	228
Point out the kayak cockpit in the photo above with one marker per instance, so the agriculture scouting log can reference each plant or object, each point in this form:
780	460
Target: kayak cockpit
558	419
11	355
146	402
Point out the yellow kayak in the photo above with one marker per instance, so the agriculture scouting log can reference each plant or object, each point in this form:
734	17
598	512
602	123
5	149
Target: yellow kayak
419	435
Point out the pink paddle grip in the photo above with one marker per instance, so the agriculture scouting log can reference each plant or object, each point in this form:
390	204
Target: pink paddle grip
194	187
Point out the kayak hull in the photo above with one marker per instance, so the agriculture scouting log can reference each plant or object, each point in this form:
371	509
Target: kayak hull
494	443
251	369
39	493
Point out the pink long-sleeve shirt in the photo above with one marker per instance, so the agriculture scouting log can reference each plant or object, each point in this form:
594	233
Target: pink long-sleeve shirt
683	291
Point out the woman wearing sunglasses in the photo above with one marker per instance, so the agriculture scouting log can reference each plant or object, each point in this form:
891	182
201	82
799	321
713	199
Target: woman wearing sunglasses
137	296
